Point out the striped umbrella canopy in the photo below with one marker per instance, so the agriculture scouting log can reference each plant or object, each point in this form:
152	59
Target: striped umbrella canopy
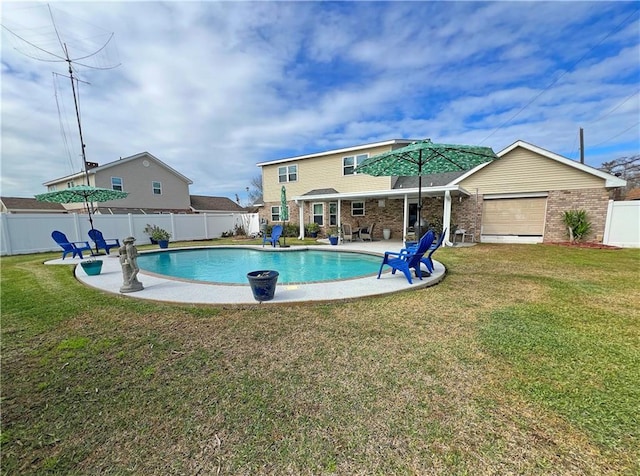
423	158
284	209
82	193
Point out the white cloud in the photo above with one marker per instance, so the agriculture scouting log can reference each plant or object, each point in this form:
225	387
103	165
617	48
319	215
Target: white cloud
212	88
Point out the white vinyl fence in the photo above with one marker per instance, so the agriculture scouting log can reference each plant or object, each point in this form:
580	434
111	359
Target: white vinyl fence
623	224
31	233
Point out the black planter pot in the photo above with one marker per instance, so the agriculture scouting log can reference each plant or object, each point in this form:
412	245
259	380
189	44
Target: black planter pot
263	284
163	243
333	240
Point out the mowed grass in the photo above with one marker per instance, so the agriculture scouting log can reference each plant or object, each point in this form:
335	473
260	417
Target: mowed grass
524	360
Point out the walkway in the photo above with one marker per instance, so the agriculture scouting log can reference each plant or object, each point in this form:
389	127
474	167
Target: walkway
170	290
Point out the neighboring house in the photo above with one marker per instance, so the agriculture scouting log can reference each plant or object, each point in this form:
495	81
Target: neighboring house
633	194
518	198
153	186
28	205
203	204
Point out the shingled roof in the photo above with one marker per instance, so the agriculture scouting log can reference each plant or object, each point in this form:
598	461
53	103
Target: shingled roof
30	205
218	204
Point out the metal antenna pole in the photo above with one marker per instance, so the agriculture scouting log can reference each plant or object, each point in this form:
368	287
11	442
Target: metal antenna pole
75	102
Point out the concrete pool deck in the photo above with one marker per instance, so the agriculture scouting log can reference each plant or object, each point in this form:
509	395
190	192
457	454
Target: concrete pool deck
196	292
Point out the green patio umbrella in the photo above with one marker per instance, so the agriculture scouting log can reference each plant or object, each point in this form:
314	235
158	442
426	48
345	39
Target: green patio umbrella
284	213
423	158
82	193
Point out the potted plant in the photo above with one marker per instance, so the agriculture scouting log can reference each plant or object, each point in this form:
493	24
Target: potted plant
312	229
91	266
161	237
148	230
333	235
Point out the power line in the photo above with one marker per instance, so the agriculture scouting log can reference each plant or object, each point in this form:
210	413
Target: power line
612	110
559	77
617	135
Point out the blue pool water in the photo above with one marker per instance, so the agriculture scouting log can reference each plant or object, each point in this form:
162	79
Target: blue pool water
231	265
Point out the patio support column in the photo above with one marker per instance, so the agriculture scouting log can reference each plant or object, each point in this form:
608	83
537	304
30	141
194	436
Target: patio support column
405	216
446	217
301	220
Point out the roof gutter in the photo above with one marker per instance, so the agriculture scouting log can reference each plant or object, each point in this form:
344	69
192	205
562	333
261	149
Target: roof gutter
396	193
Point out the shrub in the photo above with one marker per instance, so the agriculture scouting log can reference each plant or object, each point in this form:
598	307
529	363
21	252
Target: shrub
578	226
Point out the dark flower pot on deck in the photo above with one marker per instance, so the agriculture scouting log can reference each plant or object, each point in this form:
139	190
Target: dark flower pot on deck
263	284
333	240
163	243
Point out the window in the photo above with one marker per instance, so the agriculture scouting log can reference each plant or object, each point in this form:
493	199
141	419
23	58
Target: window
69	184
318	213
333	214
275	213
288	173
116	183
157	188
357	209
350	163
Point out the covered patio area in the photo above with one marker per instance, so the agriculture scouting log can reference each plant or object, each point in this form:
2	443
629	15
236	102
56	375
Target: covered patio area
393	210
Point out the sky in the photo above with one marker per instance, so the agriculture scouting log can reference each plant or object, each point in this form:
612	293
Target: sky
212	88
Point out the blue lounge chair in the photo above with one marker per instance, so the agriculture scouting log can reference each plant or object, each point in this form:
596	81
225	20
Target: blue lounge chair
428	262
101	242
427	259
74	247
274	238
408	259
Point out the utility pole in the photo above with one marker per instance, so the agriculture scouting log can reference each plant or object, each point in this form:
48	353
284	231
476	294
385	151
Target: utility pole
581	145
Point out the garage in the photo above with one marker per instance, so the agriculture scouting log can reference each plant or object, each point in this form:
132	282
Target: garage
516	220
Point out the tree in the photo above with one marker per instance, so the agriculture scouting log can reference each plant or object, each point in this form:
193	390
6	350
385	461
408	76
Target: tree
255	192
627	168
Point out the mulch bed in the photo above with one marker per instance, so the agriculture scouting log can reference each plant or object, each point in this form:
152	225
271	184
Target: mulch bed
591	245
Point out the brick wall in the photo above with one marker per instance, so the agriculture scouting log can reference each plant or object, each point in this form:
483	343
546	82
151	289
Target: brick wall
595	201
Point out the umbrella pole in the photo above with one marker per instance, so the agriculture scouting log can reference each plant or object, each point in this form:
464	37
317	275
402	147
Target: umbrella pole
418	235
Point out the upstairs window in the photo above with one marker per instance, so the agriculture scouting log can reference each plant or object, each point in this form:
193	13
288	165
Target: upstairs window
157	188
288	173
116	183
350	163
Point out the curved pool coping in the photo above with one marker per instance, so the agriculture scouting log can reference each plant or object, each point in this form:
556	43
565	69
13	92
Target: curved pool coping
160	288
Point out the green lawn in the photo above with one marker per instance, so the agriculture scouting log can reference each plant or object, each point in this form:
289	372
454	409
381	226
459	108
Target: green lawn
524	360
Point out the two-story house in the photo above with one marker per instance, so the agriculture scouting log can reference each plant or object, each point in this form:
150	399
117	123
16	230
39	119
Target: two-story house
153	186
519	197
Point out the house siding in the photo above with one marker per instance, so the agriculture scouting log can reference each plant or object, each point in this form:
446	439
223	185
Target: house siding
322	172
137	180
524	171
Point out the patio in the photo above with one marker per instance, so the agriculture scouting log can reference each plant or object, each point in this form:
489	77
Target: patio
172	290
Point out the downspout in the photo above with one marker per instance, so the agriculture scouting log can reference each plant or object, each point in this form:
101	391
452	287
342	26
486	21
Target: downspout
446	217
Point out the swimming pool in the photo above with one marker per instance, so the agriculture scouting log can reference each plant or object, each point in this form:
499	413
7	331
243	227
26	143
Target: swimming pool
231	265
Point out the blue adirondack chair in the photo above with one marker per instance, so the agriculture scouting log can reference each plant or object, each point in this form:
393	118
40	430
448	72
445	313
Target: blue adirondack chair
274	238
101	242
408	259
74	247
427	260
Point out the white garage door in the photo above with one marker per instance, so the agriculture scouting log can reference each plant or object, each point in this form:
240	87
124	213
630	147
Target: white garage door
514	216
